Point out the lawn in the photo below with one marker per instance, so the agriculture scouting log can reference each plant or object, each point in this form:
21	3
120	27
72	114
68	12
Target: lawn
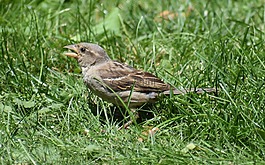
47	113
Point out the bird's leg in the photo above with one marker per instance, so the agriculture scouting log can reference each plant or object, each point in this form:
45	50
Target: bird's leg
134	117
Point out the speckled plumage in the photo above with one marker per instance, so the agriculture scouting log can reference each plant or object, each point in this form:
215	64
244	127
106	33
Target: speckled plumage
114	81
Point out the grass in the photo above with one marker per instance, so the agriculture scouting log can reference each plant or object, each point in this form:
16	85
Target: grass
46	110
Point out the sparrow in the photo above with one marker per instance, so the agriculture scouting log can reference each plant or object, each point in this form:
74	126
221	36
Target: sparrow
119	83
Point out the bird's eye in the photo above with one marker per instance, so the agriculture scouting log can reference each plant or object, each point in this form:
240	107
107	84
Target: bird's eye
82	50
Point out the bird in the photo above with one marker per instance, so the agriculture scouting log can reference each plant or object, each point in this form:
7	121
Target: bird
119	83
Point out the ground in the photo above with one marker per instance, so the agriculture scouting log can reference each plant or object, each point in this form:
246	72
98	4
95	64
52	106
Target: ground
47	112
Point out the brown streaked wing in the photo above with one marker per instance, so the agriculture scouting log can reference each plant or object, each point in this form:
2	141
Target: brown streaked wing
121	77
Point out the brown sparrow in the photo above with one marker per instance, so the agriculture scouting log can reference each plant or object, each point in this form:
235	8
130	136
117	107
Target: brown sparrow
119	83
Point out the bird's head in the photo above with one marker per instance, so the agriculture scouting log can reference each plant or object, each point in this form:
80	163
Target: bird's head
87	54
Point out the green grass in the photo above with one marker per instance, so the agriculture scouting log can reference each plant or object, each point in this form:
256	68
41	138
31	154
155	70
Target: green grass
46	109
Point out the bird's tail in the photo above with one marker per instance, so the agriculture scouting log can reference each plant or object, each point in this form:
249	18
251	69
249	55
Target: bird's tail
191	90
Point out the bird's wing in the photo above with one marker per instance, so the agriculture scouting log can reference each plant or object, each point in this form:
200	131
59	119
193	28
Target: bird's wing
121	77
191	90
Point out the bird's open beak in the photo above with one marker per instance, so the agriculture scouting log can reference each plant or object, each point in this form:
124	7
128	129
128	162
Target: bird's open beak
71	54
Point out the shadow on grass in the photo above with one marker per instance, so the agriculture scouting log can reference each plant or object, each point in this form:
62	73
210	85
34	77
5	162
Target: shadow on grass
119	115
